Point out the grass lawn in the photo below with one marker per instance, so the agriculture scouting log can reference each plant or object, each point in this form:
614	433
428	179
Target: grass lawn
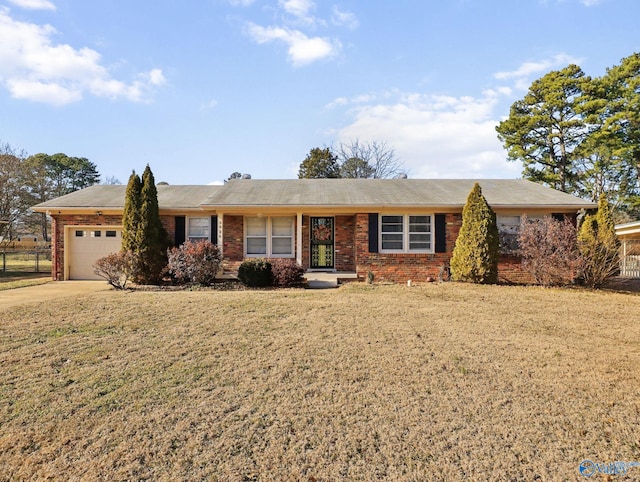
431	382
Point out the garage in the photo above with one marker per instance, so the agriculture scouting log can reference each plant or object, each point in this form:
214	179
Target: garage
87	244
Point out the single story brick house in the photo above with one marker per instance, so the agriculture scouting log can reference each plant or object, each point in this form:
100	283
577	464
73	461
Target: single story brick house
629	236
398	229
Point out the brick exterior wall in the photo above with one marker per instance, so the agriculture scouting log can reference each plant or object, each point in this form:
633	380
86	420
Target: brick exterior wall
351	248
400	267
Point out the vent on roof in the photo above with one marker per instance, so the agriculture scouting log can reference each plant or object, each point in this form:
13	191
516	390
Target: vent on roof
402	175
246	176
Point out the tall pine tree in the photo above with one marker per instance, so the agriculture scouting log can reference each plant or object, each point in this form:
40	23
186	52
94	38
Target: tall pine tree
475	255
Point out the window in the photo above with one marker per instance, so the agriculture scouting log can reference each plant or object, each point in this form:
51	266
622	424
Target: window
79	234
96	234
405	233
110	234
269	236
198	229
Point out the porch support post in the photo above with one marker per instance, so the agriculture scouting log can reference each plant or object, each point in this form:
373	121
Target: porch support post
299	238
220	233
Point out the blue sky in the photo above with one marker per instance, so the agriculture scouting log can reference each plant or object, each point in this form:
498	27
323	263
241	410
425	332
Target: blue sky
201	89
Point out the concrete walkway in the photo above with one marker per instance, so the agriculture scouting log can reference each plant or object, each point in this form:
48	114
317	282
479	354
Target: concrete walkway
49	291
323	280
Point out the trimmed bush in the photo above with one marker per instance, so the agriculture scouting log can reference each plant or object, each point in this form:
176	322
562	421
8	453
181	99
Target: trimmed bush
286	273
117	268
194	262
255	272
475	255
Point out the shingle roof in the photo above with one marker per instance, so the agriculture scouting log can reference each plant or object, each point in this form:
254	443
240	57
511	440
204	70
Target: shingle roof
388	192
112	197
374	193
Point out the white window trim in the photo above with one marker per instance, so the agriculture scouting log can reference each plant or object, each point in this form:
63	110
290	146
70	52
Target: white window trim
197	238
269	238
405	234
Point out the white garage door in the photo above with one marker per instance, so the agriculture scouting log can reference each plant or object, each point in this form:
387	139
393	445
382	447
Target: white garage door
87	245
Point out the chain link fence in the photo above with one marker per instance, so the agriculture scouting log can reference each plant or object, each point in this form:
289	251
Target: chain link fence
27	261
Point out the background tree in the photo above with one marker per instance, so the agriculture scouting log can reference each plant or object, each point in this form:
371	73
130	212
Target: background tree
475	255
375	159
599	246
544	128
151	238
13	204
131	213
319	163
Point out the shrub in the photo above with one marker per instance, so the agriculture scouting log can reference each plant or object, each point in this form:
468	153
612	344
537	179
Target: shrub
194	262
286	272
599	246
549	250
117	268
475	255
255	272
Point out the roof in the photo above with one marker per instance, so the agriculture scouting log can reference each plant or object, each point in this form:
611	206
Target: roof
112	197
632	228
388	193
363	193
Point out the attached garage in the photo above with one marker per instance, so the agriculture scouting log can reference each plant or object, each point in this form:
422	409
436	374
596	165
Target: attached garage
85	245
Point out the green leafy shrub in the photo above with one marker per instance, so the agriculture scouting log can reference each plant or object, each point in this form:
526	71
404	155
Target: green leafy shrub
475	255
194	262
117	268
286	273
255	272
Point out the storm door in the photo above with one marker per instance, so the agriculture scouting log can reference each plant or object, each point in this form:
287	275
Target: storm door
322	233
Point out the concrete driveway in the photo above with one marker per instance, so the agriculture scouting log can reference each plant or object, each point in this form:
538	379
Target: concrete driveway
49	291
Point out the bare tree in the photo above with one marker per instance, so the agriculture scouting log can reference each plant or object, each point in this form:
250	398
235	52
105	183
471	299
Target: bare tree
374	159
12	199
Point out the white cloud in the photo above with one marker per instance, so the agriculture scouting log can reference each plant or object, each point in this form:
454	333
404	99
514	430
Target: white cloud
33	67
343	18
526	70
302	50
34	4
297	8
241	3
436	136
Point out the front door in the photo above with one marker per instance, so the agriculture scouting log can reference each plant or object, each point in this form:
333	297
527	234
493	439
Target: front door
322	243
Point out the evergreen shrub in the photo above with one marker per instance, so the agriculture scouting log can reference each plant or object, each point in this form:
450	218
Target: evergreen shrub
255	272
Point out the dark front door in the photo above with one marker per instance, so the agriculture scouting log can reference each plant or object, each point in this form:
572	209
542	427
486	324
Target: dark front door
322	243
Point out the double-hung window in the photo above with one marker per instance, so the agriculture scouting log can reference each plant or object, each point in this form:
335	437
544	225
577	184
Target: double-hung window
269	236
406	233
198	229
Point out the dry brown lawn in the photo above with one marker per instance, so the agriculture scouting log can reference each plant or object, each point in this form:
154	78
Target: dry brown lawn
431	382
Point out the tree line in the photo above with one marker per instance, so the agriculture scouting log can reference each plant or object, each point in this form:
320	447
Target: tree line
581	134
29	180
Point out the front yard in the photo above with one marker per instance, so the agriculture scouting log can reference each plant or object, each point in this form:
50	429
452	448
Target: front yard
429	382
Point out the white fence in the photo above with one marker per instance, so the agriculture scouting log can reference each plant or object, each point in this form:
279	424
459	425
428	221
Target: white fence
630	258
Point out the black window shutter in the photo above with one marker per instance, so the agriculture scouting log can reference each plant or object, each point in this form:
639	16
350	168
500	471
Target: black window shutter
373	232
441	233
214	229
180	230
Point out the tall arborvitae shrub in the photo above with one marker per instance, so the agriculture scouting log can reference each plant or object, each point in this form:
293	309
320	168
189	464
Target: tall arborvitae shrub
599	246
475	255
151	237
131	214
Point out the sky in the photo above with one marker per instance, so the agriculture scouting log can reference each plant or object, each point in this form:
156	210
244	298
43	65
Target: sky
201	89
